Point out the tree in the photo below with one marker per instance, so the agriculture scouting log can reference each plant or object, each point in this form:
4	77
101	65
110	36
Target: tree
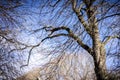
75	25
65	67
11	18
83	20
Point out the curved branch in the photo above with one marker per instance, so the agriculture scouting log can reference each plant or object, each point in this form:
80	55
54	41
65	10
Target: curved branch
70	34
80	42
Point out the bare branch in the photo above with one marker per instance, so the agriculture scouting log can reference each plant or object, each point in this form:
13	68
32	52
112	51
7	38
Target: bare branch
81	18
73	3
11	7
55	3
88	3
80	42
30	52
110	38
28	60
57	35
70	34
80	7
116	14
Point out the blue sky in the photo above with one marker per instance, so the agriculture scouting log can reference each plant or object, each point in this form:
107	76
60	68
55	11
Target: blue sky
45	19
34	20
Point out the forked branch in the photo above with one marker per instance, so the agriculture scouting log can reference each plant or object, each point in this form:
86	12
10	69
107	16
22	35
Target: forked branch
80	16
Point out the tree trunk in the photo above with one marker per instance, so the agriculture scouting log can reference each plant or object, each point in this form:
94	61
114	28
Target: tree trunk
99	56
100	66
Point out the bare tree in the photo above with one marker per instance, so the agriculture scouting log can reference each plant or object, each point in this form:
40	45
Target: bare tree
68	67
65	67
92	24
11	17
75	25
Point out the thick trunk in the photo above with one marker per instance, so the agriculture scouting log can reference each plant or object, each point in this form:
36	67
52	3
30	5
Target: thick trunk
98	51
100	66
99	56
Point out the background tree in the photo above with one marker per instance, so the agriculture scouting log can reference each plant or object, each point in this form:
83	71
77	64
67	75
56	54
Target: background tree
64	67
12	14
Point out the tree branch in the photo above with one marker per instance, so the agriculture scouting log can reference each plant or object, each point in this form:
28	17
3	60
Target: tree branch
30	52
70	34
57	35
80	17
11	6
28	60
80	42
108	16
55	3
110	38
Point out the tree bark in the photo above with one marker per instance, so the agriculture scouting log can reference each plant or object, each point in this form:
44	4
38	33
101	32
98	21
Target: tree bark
98	53
100	66
99	56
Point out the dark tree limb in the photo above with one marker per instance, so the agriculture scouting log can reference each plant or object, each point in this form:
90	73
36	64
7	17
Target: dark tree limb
70	34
